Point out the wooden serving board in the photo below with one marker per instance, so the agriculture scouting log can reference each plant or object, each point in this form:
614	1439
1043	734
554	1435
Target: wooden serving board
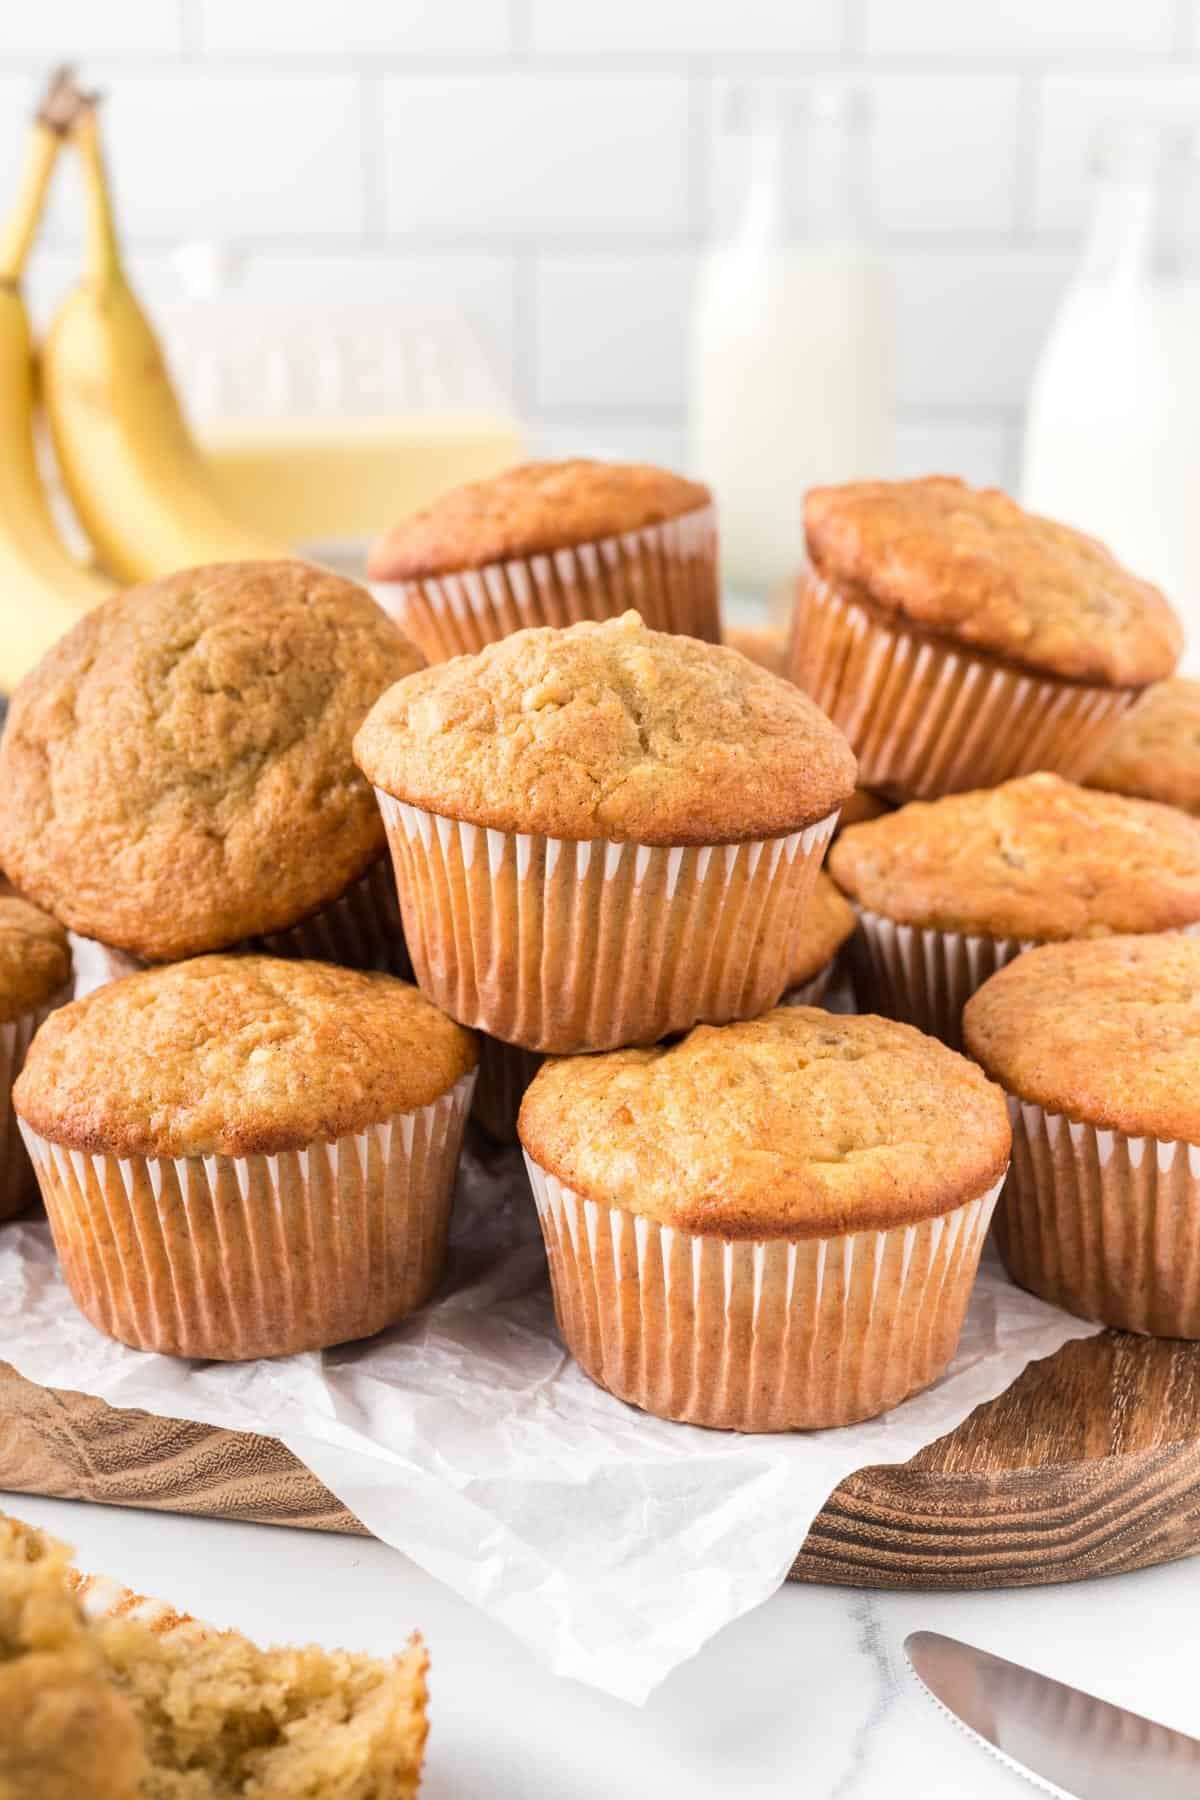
1088	1465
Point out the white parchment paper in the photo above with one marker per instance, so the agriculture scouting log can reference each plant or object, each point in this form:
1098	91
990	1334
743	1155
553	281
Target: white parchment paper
614	1544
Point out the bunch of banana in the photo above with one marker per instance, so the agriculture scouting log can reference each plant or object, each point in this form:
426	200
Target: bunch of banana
43	589
134	474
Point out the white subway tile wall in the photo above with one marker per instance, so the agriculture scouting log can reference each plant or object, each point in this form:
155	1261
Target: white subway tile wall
546	166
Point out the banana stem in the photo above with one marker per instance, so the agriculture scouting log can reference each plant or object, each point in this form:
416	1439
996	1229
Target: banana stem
59	105
103	248
20	229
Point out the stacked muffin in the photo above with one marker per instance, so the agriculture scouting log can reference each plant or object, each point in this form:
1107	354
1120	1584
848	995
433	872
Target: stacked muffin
240	1154
605	837
606	833
1047	928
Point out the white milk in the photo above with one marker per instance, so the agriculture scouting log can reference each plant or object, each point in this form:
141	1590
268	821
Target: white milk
792	383
1114	428
791	372
1114	413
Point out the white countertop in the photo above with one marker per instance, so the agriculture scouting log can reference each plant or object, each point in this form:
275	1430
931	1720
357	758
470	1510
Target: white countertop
809	1696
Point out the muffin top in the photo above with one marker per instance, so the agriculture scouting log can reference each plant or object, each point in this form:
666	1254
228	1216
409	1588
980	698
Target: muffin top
828	921
235	1056
1036	858
608	731
35	960
798	1124
532	508
1155	750
1106	1031
970	564
176	773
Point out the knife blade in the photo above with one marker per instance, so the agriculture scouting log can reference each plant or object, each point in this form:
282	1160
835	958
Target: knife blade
1065	1741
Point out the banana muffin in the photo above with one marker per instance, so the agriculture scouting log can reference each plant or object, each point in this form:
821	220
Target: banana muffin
1098	1045
35	976
1154	753
602	834
105	1695
548	544
958	640
505	1070
245	1156
176	777
767	1226
949	891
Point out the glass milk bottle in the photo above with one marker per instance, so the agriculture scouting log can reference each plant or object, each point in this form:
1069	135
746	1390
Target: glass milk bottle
792	362
1111	443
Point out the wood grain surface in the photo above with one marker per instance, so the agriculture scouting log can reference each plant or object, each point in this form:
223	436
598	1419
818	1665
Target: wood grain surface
1088	1465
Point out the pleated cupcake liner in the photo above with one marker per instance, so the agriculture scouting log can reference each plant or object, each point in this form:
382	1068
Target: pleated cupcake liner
668	573
922	975
925	976
757	1335
1103	1224
361	929
18	1185
560	946
926	718
233	1257
505	1071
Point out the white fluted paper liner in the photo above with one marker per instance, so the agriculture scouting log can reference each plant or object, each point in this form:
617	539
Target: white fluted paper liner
922	975
925	976
561	946
361	929
757	1335
244	1256
613	1543
665	572
1104	1224
925	717
18	1186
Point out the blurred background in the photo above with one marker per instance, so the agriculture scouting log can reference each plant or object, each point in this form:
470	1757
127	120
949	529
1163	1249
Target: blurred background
559	174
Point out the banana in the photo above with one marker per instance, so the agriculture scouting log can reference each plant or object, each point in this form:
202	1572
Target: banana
133	471
43	589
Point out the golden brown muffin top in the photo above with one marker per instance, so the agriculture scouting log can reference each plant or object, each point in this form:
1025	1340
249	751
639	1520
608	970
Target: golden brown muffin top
1106	1031
971	565
828	921
1038	858
176	774
608	731
236	1055
798	1124
35	959
1155	750
763	644
532	508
